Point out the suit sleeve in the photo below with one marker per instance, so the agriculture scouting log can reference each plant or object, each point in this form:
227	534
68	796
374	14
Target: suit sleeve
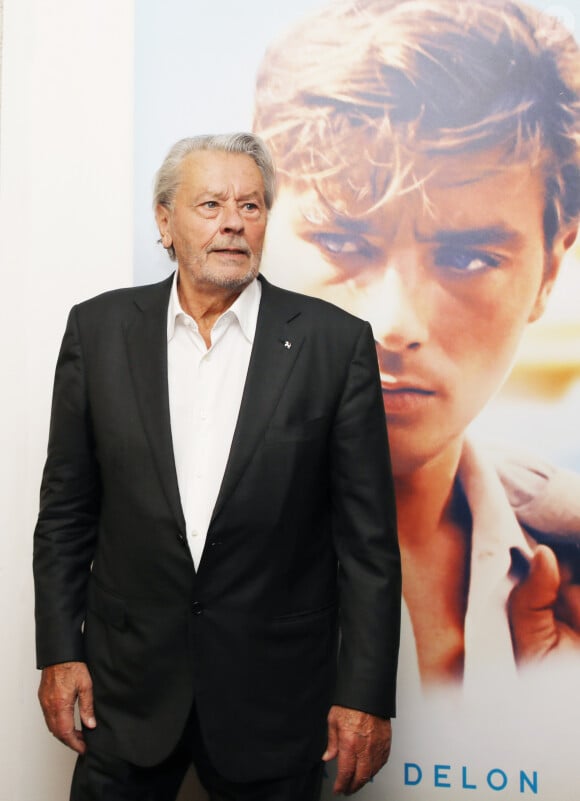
365	535
65	533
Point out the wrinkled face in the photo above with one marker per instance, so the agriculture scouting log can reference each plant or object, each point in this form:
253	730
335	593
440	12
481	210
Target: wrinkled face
218	219
448	287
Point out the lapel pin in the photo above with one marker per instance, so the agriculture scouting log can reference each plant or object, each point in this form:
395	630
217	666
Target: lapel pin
287	345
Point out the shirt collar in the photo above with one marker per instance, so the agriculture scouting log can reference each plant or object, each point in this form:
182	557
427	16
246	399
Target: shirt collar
495	529
244	309
498	544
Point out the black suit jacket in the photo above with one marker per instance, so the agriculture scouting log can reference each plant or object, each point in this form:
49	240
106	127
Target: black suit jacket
302	538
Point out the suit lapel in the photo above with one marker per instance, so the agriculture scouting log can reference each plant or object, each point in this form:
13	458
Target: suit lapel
146	337
277	344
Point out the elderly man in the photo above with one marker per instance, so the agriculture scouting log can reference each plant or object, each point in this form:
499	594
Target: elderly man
216	506
430	183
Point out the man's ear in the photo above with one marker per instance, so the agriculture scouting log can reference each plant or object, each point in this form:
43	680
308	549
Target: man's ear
163	218
562	243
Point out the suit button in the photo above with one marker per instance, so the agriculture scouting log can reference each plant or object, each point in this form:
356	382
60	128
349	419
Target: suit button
196	608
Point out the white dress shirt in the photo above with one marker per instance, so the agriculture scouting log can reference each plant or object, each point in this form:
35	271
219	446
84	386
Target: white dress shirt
205	393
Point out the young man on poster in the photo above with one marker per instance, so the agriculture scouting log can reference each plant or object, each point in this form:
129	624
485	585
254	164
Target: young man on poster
429	157
208	522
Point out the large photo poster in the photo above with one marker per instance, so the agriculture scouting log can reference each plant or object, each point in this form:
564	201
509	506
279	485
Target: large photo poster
428	154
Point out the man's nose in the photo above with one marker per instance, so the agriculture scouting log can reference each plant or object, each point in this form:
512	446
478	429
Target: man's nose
398	306
231	220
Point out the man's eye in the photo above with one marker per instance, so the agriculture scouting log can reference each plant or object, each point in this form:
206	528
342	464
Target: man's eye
341	244
211	204
250	206
465	261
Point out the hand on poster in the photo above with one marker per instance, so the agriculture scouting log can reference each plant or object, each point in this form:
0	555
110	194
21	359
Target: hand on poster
544	610
361	744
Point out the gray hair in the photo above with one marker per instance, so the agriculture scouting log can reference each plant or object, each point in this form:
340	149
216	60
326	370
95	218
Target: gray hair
167	177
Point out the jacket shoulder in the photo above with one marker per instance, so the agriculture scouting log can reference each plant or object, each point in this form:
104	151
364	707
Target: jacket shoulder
317	310
126	297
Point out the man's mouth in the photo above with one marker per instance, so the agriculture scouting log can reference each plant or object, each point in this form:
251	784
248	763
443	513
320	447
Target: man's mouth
231	248
231	251
404	395
397	384
404	390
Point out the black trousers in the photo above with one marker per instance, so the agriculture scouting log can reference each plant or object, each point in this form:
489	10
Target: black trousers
102	777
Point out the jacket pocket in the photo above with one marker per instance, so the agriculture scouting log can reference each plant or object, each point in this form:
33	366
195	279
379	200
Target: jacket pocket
106	606
297	432
307	615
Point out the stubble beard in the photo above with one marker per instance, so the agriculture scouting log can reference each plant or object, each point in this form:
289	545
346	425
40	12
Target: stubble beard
216	279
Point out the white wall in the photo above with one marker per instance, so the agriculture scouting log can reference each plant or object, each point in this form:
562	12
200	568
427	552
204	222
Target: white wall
65	233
